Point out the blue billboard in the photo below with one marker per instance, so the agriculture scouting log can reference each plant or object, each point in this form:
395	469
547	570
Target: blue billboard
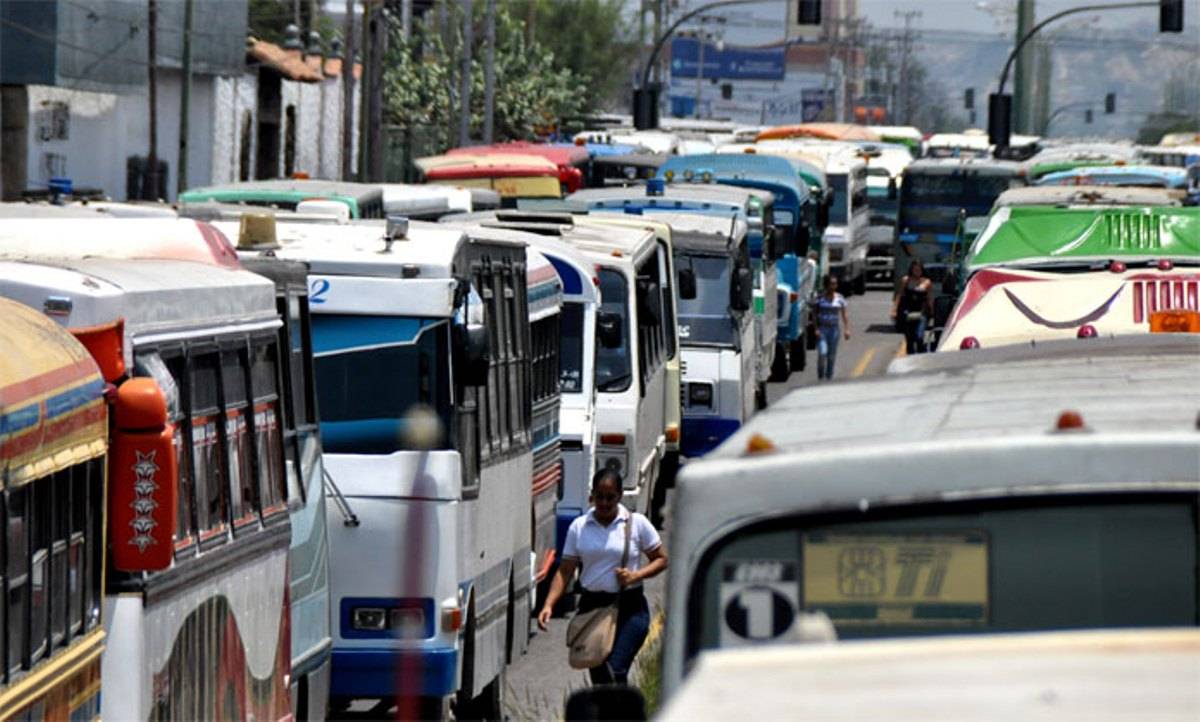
728	62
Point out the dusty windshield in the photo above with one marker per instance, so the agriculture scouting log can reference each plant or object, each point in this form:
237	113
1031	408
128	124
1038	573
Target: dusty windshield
706	319
614	370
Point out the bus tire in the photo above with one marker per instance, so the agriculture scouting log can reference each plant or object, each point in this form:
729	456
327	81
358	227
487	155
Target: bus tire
799	353
781	366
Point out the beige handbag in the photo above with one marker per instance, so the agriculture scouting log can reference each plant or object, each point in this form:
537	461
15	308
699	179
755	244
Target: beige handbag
591	634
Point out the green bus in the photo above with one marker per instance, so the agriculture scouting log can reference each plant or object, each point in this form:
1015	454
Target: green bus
362	199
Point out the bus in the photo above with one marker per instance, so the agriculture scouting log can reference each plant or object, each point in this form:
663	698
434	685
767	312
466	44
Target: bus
422	356
1013	489
204	509
790	214
362	200
935	197
53	453
308	559
715	282
512	176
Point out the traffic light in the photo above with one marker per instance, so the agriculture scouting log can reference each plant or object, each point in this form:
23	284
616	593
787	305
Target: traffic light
1110	103
1170	16
645	107
1087	116
808	12
969	99
999	120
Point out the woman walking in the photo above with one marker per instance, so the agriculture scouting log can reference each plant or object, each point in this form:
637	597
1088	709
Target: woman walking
596	544
831	318
912	306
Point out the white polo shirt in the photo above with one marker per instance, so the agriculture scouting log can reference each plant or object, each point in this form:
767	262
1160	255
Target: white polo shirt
598	548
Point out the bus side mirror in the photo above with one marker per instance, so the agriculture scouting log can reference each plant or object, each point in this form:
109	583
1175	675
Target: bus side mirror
891	193
143	471
474	349
687	284
608	329
743	289
609	702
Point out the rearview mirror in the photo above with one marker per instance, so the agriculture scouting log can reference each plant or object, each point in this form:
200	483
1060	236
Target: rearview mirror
608	329
743	289
649	300
687	284
471	341
610	702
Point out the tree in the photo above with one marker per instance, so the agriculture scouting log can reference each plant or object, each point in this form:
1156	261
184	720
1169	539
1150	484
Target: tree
423	75
593	40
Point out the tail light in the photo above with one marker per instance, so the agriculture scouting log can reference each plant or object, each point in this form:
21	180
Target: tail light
968	343
1087	330
1069	421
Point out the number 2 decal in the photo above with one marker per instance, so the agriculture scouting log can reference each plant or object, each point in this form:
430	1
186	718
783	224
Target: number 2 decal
317	290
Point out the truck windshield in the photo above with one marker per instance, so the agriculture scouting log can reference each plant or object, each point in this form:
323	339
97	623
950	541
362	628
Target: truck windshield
705	319
614	371
370	372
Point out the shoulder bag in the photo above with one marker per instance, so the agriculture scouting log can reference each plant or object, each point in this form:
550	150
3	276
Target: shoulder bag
591	634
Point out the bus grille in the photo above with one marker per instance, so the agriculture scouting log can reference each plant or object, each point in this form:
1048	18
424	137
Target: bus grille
1165	295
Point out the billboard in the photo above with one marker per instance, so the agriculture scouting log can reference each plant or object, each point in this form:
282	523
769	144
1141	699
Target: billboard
727	62
804	108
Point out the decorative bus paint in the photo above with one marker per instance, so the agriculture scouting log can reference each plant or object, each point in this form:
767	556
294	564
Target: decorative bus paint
448	502
716	337
209	634
1077	675
790	215
308	558
512	176
754	206
1045	238
1148	176
935	196
673	411
1001	307
576	374
53	442
362	199
956	460
819	131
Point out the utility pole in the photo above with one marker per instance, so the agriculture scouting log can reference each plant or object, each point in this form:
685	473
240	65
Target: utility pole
700	43
904	106
378	28
151	176
489	74
185	99
406	20
1022	71
348	93
464	120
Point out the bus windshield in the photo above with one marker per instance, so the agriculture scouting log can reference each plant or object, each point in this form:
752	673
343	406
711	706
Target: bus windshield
964	567
838	212
614	372
954	190
371	370
570	358
705	319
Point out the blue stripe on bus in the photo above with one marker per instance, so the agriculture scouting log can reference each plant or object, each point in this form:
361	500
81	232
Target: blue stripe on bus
702	434
375	673
542	291
72	399
563	519
571	280
345	332
23	418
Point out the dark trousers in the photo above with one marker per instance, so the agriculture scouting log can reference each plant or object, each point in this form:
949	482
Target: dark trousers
633	622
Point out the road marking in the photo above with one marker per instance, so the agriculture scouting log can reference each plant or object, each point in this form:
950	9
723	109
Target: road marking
902	351
863	362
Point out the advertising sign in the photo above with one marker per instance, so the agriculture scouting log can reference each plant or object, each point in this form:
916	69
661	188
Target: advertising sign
726	62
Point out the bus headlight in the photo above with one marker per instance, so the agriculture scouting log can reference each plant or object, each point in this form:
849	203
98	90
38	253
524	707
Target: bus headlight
700	394
372	619
407	621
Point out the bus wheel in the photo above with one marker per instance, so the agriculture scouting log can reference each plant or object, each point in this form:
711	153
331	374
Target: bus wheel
799	354
781	367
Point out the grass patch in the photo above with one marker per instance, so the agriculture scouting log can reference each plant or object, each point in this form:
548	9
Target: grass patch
648	675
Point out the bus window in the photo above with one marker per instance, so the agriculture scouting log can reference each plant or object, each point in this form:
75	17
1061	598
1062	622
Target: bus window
17	571
185	529
613	365
268	437
570	360
207	472
237	438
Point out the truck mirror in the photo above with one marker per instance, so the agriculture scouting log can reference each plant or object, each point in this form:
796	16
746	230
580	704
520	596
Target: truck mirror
687	284
743	289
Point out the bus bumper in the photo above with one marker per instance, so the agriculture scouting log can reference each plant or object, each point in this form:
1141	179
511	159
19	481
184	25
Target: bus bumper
703	434
377	673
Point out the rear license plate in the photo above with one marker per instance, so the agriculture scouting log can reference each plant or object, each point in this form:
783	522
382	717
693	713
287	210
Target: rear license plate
897	579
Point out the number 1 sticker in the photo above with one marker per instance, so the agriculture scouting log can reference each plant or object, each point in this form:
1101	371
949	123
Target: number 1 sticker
759	602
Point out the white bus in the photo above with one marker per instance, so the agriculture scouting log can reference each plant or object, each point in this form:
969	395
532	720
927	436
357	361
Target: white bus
422	348
196	608
992	491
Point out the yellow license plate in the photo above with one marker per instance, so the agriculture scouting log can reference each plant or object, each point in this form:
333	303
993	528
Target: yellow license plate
897	579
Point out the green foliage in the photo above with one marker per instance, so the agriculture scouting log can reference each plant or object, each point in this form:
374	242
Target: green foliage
423	80
591	38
